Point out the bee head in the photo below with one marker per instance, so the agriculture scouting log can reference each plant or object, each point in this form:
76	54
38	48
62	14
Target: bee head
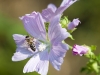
27	36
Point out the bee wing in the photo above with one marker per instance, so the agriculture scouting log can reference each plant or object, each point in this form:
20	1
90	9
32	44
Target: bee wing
18	38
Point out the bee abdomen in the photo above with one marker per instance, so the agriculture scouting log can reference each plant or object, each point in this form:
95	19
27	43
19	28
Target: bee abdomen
32	47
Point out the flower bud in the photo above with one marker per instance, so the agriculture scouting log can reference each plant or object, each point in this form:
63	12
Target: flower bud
73	24
80	50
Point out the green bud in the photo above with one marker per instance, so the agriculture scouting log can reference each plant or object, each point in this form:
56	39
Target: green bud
95	67
64	22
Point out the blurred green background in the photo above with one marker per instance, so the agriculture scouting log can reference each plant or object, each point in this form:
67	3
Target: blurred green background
88	11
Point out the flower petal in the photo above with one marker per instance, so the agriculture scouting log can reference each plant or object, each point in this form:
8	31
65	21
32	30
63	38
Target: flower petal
19	39
42	67
57	53
34	24
47	14
55	32
52	10
52	7
64	5
39	63
21	54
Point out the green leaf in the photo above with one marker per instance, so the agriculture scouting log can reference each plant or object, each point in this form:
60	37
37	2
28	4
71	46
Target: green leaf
71	37
98	58
93	47
95	67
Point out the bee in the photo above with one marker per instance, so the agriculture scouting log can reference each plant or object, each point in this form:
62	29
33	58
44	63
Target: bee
30	42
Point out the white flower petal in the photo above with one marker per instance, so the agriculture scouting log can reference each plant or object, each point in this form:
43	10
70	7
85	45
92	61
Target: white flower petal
21	54
42	67
39	63
19	39
31	64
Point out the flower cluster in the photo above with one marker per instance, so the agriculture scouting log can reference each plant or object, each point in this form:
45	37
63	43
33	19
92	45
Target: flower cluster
46	41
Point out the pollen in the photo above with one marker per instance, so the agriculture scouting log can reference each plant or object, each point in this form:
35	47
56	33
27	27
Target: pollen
42	47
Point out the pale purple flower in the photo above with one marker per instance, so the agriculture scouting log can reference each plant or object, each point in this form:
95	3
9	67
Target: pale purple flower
80	50
49	47
52	10
73	24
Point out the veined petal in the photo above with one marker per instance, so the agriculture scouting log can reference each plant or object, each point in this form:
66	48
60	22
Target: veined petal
60	36
21	54
55	32
34	24
52	10
53	25
67	2
31	64
52	7
64	2
19	39
42	67
64	5
38	63
57	53
47	14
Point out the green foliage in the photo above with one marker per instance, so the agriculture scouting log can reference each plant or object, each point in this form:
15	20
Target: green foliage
93	48
64	22
71	37
93	65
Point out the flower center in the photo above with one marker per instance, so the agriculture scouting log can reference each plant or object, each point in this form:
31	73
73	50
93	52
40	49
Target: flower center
42	47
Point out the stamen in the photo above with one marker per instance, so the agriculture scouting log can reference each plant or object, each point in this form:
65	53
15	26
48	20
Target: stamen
42	47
